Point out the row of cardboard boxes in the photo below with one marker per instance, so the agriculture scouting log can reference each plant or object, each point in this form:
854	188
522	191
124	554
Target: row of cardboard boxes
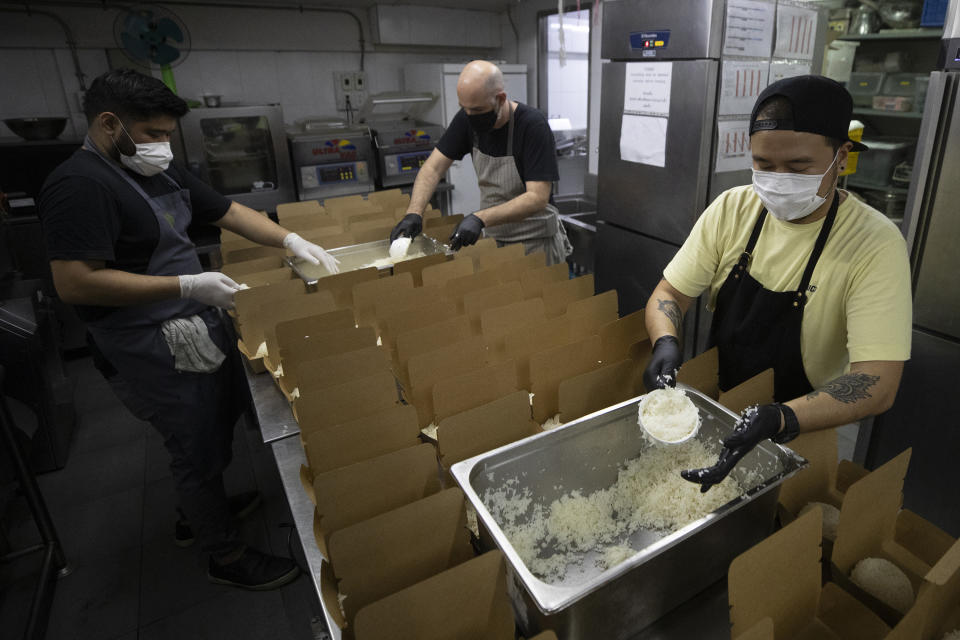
365	459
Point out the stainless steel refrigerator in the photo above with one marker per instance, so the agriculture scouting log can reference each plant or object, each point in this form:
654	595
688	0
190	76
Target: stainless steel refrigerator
926	415
647	211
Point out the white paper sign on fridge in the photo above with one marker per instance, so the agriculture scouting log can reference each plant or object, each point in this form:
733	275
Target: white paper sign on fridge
749	29
733	146
741	82
646	88
796	32
780	69
643	139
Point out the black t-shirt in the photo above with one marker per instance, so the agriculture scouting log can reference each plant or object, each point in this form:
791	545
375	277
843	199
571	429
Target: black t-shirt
89	212
534	147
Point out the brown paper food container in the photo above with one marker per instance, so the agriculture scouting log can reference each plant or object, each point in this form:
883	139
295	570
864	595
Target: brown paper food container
452	219
617	337
557	295
341	285
702	373
358	219
441	232
521	343
762	630
433	312
466	602
535	280
594	312
507	253
546	635
365	489
400	300
295	338
549	368
250	304
472	389
495	324
313	225
426	369
457	288
416	266
484	428
247	301
510	270
428	338
315	304
482	246
362	439
263	278
394	550
251	253
366	294
239	269
256	364
337	369
603	387
440	274
320	235
937	609
345	203
329	406
779	578
756	390
292	209
388	198
476	302
868	520
336	241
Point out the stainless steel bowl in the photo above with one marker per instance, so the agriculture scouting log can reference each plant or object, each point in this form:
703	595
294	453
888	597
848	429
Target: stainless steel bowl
36	128
901	14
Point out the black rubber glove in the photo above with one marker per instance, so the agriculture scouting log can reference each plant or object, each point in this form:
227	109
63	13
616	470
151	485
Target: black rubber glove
467	232
664	362
755	424
410	226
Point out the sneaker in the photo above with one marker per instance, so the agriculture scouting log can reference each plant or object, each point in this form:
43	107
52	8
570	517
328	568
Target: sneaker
254	570
240	506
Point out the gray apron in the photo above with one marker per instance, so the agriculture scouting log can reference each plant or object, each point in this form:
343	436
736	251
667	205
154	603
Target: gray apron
197	409
500	182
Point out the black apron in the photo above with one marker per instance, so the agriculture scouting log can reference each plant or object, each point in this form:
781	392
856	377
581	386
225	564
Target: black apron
755	329
198	409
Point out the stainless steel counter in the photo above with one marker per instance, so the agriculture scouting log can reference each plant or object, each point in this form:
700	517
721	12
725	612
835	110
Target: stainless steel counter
289	455
270	407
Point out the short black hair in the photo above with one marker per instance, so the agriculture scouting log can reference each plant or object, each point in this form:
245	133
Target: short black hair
779	108
133	95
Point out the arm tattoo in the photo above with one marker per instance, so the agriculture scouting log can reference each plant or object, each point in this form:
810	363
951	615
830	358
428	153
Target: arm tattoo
672	310
848	388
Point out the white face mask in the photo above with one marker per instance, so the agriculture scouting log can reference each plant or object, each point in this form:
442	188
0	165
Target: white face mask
150	159
790	196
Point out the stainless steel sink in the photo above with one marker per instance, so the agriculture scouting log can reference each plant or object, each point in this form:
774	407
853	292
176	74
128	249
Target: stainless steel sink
568	205
579	218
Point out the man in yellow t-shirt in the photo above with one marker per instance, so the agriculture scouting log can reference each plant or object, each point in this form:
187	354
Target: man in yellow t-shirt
802	278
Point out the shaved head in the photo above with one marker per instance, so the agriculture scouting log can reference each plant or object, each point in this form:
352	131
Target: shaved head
480	84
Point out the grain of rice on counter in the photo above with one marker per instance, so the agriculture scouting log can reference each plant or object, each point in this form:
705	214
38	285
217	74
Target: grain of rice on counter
648	494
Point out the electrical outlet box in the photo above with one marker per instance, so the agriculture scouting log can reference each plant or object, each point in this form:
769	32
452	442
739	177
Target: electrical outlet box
350	89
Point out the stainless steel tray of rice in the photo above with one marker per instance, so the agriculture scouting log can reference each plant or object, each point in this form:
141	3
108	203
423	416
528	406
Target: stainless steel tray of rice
369	254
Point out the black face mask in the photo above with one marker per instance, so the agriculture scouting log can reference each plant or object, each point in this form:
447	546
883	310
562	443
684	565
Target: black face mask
483	122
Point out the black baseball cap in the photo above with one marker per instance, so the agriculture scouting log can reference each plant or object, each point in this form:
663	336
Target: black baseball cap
820	105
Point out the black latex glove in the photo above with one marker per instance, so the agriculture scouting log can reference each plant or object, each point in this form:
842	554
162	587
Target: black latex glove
410	226
661	371
755	424
467	232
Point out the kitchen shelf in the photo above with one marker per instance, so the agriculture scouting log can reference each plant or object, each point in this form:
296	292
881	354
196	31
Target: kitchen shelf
883	113
886	189
897	34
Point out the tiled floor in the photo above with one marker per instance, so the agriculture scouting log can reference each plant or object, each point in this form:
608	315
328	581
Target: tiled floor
113	506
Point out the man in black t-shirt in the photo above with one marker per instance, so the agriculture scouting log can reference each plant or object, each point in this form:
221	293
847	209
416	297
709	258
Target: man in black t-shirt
515	158
114	218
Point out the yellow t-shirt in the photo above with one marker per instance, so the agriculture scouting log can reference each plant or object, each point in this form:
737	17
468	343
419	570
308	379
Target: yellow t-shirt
859	302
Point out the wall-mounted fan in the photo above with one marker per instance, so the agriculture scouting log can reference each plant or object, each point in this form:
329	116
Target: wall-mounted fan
155	36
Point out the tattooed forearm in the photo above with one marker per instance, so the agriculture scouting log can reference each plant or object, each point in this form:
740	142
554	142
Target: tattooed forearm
848	389
672	310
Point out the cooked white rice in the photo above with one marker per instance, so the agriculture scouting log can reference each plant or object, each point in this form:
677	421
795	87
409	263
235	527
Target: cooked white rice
885	581
668	415
952	635
831	517
551	423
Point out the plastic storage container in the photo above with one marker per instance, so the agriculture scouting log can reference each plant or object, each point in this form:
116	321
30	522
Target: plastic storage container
875	167
900	84
864	85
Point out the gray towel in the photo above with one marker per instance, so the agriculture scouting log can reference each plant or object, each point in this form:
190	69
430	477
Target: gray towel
190	345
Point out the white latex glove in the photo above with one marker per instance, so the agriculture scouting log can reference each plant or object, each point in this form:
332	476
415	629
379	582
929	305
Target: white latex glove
210	287
310	252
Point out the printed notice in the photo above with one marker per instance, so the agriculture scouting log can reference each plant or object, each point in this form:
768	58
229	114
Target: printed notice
646	89
796	32
780	69
741	82
643	139
749	28
733	146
